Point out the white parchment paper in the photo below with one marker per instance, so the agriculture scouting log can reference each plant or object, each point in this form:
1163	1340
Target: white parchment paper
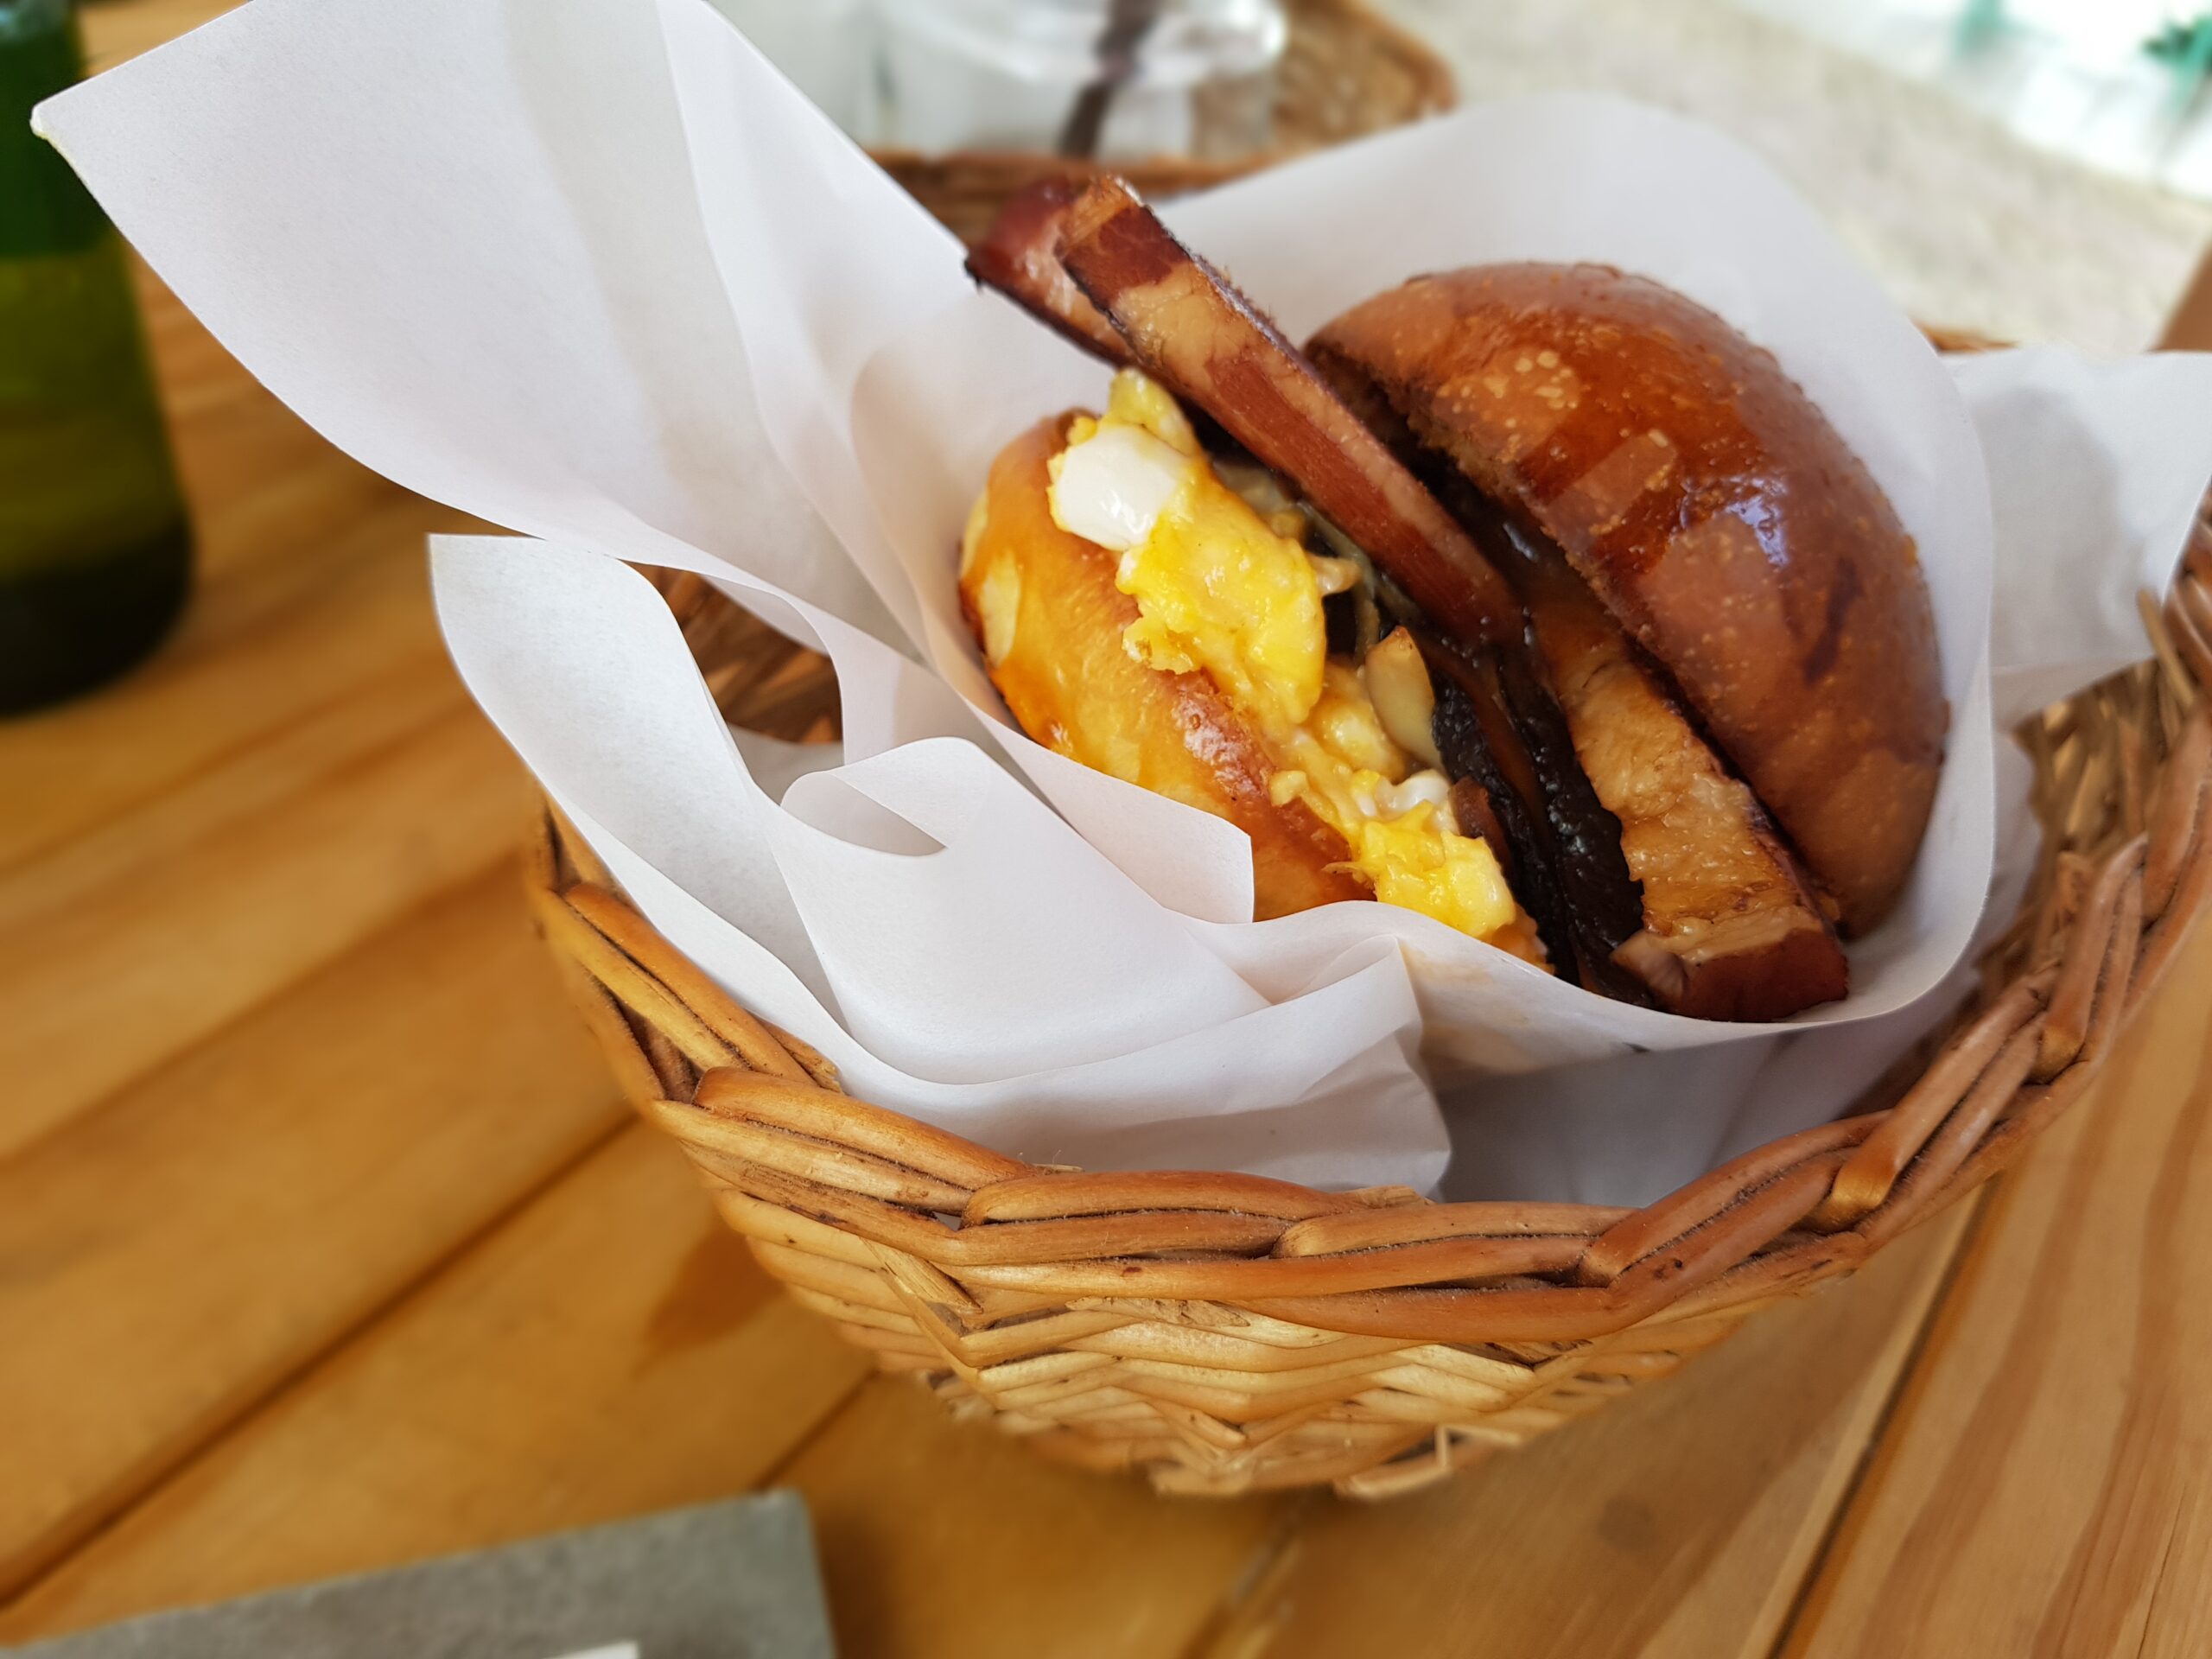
592	269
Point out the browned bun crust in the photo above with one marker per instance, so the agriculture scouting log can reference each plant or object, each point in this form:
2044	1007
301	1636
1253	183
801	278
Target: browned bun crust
1067	679
1718	516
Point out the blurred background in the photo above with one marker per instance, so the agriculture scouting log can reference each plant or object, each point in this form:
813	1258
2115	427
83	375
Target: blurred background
2031	169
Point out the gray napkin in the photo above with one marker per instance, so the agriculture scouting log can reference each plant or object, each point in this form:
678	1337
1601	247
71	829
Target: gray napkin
730	1580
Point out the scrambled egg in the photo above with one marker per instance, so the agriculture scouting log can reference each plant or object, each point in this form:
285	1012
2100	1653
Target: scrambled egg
1217	588
1223	586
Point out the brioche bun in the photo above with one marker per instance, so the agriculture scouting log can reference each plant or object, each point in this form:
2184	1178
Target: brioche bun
1715	512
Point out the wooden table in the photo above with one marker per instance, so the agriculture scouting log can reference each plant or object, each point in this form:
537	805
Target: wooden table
325	1241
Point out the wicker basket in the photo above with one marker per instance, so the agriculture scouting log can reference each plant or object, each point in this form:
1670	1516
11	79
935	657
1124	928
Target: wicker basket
1224	1333
1344	72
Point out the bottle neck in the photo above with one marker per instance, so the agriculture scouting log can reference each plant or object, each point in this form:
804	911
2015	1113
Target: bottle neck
43	208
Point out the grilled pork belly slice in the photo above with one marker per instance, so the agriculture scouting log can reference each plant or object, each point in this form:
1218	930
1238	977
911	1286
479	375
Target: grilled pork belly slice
1729	928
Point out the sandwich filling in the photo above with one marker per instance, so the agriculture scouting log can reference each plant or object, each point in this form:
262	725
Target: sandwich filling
1225	584
1554	656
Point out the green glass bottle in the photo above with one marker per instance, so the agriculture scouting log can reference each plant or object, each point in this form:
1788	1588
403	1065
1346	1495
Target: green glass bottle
95	548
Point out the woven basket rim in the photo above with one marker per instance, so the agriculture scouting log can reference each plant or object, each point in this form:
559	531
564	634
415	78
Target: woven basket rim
765	1115
1226	1333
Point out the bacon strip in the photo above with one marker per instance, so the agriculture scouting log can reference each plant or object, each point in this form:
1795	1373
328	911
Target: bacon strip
1020	258
1197	336
1731	928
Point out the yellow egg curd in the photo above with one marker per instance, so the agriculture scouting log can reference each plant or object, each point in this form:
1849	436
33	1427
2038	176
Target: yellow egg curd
1226	588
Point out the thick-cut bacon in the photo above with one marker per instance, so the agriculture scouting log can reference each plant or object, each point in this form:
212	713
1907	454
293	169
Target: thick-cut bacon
1731	928
1020	258
1668	866
1666	870
1193	333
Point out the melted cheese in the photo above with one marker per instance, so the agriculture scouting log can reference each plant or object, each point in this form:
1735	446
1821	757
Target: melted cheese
1224	584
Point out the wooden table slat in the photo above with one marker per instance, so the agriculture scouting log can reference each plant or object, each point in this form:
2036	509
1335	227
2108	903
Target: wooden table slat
104	992
167	1260
1677	1522
2042	1490
614	1349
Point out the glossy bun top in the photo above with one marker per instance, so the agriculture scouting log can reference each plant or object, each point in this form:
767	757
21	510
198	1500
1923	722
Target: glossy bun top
1712	508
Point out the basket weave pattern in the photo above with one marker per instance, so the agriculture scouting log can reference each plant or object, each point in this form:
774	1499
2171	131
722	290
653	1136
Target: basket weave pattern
1224	1333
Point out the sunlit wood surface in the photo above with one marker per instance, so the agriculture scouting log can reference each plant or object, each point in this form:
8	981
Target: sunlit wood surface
325	1242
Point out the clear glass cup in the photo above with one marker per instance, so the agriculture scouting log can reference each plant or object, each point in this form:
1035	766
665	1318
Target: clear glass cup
1113	78
826	47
